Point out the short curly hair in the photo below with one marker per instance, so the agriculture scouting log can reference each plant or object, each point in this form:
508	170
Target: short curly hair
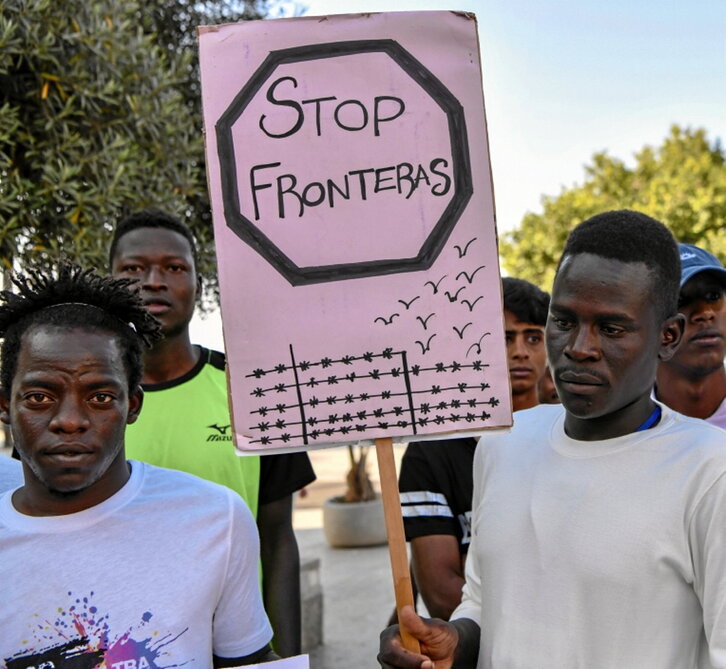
75	298
152	218
525	300
631	236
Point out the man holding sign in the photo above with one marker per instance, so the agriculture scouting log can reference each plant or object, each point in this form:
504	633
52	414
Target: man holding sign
435	480
599	528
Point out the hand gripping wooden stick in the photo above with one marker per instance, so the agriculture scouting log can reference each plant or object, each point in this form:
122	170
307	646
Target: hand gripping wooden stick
396	538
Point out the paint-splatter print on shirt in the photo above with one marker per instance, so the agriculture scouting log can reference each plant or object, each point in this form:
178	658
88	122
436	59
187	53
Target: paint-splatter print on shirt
162	574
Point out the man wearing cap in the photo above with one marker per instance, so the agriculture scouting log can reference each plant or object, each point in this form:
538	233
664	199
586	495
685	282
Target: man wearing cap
693	381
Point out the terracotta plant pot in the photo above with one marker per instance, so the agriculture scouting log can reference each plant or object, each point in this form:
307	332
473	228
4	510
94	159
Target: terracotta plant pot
353	524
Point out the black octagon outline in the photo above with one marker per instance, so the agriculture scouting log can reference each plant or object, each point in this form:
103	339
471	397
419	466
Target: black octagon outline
461	164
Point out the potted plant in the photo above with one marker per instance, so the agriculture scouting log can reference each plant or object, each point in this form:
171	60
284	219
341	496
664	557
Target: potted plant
356	517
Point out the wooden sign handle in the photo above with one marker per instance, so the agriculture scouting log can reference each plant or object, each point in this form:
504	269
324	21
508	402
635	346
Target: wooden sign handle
396	537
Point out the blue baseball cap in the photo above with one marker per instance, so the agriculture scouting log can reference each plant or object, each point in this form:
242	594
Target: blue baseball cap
695	261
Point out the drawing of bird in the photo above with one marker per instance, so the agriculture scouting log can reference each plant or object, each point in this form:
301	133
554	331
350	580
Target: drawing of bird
461	332
427	347
424	321
471	304
384	321
435	286
408	304
455	296
477	345
466	248
469	277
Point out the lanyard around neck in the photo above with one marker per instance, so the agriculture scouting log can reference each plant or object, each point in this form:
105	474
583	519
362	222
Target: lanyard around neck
651	420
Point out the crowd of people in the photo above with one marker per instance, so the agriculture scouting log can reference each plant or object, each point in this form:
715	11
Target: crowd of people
592	534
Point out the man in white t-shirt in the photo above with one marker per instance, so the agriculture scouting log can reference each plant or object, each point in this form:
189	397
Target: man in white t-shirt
599	527
693	381
107	562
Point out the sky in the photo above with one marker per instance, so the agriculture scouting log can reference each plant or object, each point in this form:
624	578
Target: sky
564	79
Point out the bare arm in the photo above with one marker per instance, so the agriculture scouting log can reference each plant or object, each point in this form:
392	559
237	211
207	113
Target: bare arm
280	574
444	645
439	572
265	654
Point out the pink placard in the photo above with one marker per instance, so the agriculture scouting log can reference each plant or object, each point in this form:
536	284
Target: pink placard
351	195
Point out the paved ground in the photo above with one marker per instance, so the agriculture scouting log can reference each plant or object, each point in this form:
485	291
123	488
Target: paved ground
357	584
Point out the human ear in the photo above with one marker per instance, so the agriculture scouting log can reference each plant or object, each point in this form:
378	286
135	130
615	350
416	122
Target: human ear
136	401
671	336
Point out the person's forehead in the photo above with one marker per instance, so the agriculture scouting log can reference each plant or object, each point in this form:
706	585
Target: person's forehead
153	241
703	281
71	349
597	280
513	324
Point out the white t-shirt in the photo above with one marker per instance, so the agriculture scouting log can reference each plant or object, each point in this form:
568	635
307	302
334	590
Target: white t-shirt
718	417
599	554
161	574
11	474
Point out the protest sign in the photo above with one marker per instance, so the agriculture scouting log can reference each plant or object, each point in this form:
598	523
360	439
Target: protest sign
354	222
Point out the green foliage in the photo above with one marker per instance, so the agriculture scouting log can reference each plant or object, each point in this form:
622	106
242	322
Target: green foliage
99	116
91	125
174	25
682	183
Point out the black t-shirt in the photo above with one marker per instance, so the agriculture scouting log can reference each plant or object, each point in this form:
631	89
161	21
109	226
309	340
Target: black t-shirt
282	474
436	485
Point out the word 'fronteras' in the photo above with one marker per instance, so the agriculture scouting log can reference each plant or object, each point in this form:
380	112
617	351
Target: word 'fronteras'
404	178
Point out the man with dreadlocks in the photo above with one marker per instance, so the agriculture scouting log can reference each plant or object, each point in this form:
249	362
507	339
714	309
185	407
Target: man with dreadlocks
105	561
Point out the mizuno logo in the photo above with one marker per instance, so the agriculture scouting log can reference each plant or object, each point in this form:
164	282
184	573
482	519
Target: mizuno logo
221	430
221	433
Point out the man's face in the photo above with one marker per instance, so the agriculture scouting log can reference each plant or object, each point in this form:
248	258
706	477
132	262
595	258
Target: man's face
526	355
68	407
162	261
703	302
603	335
